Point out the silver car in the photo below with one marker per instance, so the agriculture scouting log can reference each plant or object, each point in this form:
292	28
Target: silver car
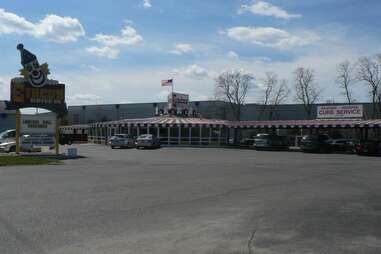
7	136
147	141
122	141
27	144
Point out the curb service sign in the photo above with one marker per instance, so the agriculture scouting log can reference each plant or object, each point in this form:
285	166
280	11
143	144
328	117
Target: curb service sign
340	111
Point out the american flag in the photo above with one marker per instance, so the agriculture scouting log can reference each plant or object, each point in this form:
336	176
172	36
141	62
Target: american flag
168	82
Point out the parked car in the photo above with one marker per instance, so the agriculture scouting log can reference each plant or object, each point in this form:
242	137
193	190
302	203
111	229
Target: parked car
7	136
147	141
27	144
122	141
316	143
247	142
270	142
343	145
66	139
8	146
369	147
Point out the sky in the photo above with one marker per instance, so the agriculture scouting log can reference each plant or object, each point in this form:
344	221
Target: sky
118	51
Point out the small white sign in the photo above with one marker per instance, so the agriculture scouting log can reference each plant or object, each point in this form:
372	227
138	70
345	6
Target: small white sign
178	99
340	111
37	124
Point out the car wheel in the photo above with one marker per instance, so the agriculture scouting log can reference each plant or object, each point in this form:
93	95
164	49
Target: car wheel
112	147
69	142
12	149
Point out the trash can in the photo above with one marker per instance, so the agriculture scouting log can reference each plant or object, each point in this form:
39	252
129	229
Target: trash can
72	152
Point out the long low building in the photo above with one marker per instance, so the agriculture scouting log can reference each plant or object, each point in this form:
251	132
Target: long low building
86	114
181	130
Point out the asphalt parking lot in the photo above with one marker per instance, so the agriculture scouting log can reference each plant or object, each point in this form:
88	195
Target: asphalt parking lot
193	200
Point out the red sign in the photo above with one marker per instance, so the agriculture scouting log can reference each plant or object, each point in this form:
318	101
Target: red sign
24	94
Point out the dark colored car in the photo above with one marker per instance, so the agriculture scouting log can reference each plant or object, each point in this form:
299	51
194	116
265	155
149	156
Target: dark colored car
316	143
246	142
147	141
271	142
369	147
343	145
66	139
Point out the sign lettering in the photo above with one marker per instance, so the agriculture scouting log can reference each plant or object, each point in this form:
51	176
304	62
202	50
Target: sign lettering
340	111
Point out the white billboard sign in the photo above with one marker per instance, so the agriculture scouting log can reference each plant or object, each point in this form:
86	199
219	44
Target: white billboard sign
37	124
178	99
340	111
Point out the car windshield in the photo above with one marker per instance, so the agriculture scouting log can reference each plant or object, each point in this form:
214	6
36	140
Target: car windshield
146	136
5	134
2	134
316	137
120	136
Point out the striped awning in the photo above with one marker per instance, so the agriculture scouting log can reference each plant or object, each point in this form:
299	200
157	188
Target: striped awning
318	123
173	121
164	121
69	129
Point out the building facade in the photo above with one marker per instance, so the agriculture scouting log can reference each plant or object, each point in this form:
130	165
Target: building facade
7	117
87	114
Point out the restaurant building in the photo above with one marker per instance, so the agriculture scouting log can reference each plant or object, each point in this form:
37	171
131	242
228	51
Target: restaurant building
212	123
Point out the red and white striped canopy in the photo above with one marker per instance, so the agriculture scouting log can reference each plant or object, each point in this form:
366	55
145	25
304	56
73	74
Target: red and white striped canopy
165	121
171	121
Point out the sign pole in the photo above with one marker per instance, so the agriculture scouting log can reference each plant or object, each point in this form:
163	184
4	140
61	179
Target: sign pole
18	123
57	143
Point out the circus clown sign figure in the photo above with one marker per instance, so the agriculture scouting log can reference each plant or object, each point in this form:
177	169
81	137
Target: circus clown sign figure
35	73
34	89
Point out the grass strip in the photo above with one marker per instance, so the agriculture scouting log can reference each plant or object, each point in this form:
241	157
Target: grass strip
24	160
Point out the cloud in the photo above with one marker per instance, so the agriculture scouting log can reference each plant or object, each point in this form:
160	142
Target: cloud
193	71
90	67
232	54
2	88
52	27
84	99
111	44
263	8
182	48
129	36
147	4
108	52
271	37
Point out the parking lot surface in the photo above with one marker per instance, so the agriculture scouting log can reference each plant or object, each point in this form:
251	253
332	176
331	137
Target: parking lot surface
193	200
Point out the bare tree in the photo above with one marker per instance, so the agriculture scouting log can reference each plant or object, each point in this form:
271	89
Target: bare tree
280	96
345	79
232	87
368	71
306	89
274	93
269	83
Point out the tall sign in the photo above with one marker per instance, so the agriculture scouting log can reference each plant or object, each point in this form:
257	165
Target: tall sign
35	90
178	102
340	111
178	99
